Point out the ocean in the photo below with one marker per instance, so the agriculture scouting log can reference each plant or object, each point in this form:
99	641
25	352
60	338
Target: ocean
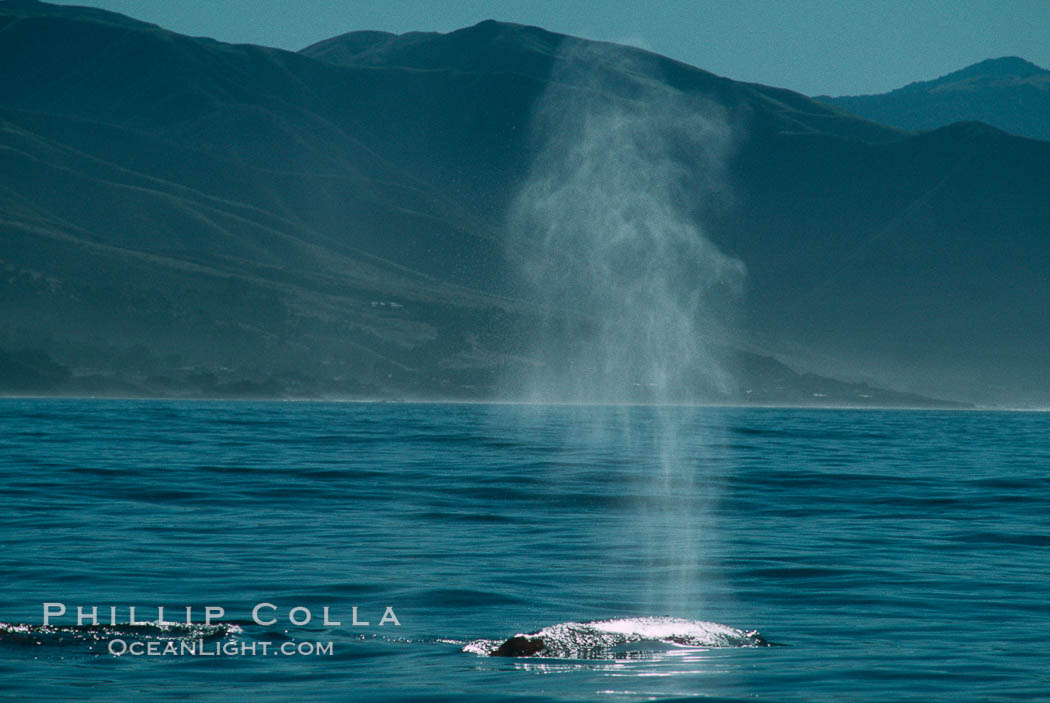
890	555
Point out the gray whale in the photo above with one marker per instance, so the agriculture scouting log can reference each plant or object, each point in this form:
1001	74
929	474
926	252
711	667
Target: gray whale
600	639
519	646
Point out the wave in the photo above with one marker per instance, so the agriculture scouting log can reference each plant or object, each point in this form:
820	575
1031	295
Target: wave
37	635
610	639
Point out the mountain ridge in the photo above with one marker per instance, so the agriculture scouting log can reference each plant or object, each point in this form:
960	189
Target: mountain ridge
36	8
182	211
1008	93
483	48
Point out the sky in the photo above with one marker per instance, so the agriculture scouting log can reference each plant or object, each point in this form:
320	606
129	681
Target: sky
832	47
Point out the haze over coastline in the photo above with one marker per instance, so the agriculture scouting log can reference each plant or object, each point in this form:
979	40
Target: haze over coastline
184	217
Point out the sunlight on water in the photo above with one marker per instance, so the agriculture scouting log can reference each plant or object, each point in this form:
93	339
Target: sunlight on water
898	555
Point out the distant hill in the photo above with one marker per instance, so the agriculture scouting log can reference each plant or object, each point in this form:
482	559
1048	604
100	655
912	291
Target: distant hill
1008	93
185	217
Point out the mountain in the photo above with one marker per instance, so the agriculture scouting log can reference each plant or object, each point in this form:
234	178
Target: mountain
183	216
871	252
1008	93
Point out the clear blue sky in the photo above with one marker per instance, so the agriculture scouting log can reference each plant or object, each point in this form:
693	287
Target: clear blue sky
812	46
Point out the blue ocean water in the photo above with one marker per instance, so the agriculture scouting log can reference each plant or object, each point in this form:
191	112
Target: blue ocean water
898	555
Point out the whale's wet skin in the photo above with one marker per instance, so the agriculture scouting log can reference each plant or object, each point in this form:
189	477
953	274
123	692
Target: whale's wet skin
619	638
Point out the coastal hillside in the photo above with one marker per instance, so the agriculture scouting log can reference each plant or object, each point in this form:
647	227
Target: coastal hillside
180	216
1008	93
